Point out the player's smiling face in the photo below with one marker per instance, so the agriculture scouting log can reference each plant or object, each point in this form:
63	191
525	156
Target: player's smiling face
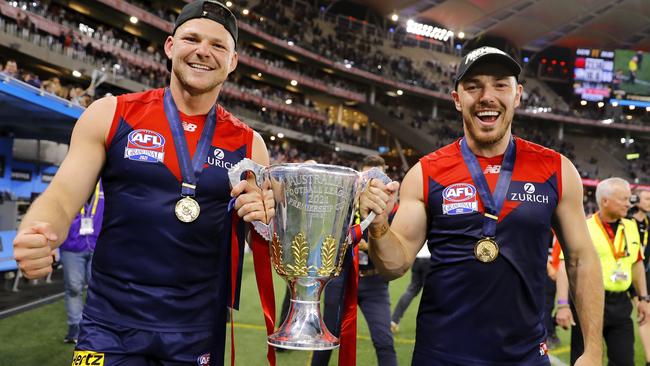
487	97
202	53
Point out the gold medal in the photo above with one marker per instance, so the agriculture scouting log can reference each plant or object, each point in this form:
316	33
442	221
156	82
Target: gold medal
486	250
187	209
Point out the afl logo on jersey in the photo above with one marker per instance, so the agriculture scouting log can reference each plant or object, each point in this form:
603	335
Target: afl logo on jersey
458	199
146	146
203	360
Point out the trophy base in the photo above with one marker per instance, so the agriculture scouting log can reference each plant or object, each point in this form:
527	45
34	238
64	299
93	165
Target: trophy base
310	344
304	329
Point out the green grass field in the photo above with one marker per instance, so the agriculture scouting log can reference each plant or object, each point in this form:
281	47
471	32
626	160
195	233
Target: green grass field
642	87
35	338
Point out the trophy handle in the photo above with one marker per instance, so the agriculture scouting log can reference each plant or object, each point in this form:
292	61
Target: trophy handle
234	175
366	177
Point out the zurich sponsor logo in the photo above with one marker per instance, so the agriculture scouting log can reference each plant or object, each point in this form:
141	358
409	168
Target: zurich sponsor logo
146	139
203	360
217	159
529	195
529	188
458	199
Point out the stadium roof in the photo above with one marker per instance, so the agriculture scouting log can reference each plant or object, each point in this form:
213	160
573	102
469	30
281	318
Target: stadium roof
535	24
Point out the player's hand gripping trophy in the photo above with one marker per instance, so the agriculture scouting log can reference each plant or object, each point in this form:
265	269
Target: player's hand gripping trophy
309	235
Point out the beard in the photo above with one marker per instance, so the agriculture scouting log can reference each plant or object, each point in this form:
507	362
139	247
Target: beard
192	88
486	138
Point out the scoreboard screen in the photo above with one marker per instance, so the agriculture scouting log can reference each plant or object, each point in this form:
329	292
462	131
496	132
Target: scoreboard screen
593	74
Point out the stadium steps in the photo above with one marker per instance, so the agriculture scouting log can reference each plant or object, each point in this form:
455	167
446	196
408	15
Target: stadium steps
421	142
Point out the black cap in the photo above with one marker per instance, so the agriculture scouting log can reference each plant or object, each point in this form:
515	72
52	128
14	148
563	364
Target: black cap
483	54
209	9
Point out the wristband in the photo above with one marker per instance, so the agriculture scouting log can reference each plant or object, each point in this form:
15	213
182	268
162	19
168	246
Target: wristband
645	298
562	302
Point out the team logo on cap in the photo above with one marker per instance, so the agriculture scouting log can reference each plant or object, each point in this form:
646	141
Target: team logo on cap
472	56
146	146
203	360
458	199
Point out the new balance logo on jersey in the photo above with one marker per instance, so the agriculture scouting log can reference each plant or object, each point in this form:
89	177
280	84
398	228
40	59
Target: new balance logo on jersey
492	169
189	127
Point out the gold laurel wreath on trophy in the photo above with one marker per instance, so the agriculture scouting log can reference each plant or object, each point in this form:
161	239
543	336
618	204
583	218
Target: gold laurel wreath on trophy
328	254
300	251
276	255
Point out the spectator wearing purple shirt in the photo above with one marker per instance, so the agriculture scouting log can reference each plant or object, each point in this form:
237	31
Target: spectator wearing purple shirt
76	257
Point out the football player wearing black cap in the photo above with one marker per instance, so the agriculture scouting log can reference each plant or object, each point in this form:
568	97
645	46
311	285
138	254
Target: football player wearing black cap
485	206
162	273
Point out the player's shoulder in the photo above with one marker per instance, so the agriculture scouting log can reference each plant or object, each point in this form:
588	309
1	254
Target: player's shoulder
446	153
144	97
224	116
533	149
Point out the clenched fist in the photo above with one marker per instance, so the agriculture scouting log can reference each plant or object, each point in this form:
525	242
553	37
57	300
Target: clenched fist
33	250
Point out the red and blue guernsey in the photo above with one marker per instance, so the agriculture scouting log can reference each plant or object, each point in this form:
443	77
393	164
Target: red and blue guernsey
486	313
150	270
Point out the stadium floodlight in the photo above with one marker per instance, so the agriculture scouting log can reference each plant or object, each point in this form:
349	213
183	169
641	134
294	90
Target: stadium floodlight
583	102
133	19
614	104
461	35
607	121
425	30
601	104
288	101
245	11
280	135
632	107
394	17
228	3
294	82
272	138
76	74
399	92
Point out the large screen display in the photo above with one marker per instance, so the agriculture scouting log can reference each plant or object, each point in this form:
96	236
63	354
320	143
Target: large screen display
593	74
632	76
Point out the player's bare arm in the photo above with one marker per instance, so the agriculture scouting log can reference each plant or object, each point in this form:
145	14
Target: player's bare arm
639	282
393	248
46	224
582	263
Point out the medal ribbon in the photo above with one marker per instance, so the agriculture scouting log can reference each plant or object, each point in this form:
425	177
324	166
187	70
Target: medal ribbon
610	236
190	169
491	204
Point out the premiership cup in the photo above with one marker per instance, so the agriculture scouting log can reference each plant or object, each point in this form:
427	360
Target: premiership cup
308	237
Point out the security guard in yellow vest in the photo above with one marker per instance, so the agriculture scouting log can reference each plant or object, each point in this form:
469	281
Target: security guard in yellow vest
621	256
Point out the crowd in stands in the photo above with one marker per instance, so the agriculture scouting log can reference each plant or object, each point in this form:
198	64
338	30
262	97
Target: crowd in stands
306	26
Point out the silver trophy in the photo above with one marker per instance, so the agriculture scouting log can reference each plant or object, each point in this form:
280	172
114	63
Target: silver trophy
309	235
